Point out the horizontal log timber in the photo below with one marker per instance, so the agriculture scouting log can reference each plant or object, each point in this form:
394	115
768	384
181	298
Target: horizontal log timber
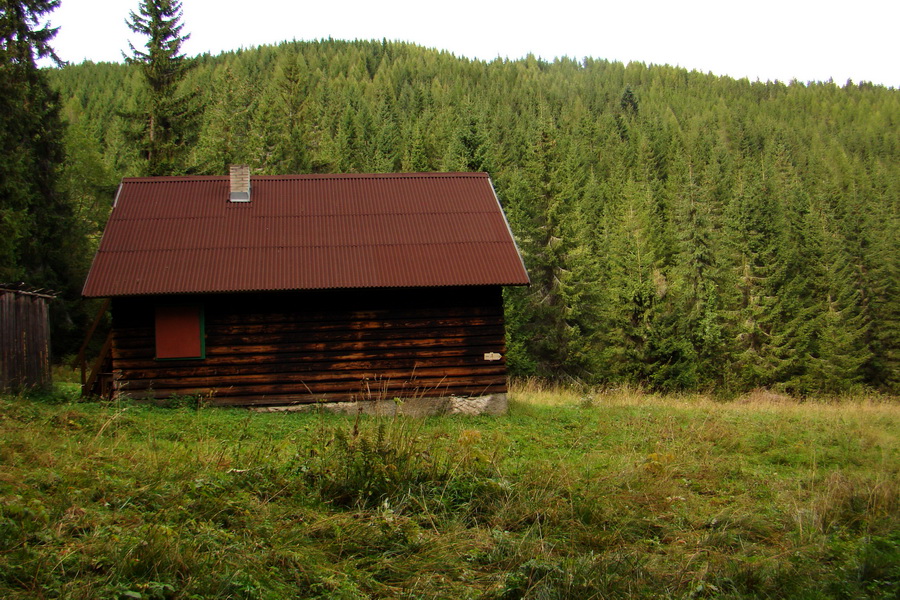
347	389
369	304
332	324
215	337
290	358
278	369
279	318
360	388
313	391
160	370
399	319
374	333
356	375
328	345
300	315
232	324
346	384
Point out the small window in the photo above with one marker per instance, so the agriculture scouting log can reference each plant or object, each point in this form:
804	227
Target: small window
179	332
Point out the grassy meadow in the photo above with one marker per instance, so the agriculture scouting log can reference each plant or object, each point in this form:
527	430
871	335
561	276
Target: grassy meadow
574	494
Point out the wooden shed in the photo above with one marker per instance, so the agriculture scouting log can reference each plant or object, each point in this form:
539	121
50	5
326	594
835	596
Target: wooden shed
277	290
24	339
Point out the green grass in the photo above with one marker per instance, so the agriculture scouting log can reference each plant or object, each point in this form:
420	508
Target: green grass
575	494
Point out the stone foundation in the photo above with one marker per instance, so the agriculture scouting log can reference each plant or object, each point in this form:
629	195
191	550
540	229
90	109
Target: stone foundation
493	404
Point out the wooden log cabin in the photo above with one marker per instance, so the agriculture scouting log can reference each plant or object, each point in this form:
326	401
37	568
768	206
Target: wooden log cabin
274	290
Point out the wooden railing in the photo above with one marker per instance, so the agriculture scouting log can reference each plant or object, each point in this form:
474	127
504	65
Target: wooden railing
91	378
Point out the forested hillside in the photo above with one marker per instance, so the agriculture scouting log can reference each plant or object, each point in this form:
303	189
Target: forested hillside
682	231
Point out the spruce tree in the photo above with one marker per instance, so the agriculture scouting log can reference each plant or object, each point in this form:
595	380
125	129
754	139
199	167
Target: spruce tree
40	242
693	327
631	286
755	226
285	114
166	124
30	132
554	319
226	135
882	268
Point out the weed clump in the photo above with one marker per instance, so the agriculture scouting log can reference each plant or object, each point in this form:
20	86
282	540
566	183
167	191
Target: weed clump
395	462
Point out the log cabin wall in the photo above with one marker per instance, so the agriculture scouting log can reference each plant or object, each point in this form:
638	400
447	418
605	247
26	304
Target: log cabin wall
294	347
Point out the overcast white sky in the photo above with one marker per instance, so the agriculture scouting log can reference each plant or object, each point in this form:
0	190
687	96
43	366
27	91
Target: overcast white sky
763	39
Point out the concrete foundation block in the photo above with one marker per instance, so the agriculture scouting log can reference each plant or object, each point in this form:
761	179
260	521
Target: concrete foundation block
492	404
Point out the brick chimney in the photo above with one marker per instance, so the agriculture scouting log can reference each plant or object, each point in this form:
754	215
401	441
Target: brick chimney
240	183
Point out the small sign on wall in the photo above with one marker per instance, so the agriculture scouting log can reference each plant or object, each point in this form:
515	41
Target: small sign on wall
492	356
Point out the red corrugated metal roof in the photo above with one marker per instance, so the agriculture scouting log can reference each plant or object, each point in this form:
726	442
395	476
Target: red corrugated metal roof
173	235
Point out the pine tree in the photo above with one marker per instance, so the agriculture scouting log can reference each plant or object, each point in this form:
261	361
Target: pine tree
166	125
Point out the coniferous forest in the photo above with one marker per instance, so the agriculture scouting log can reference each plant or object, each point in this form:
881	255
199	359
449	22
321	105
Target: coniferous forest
682	231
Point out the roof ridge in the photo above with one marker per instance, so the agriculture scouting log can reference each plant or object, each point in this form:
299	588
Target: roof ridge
246	247
411	175
424	175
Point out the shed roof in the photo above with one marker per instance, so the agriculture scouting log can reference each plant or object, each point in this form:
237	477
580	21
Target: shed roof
175	235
